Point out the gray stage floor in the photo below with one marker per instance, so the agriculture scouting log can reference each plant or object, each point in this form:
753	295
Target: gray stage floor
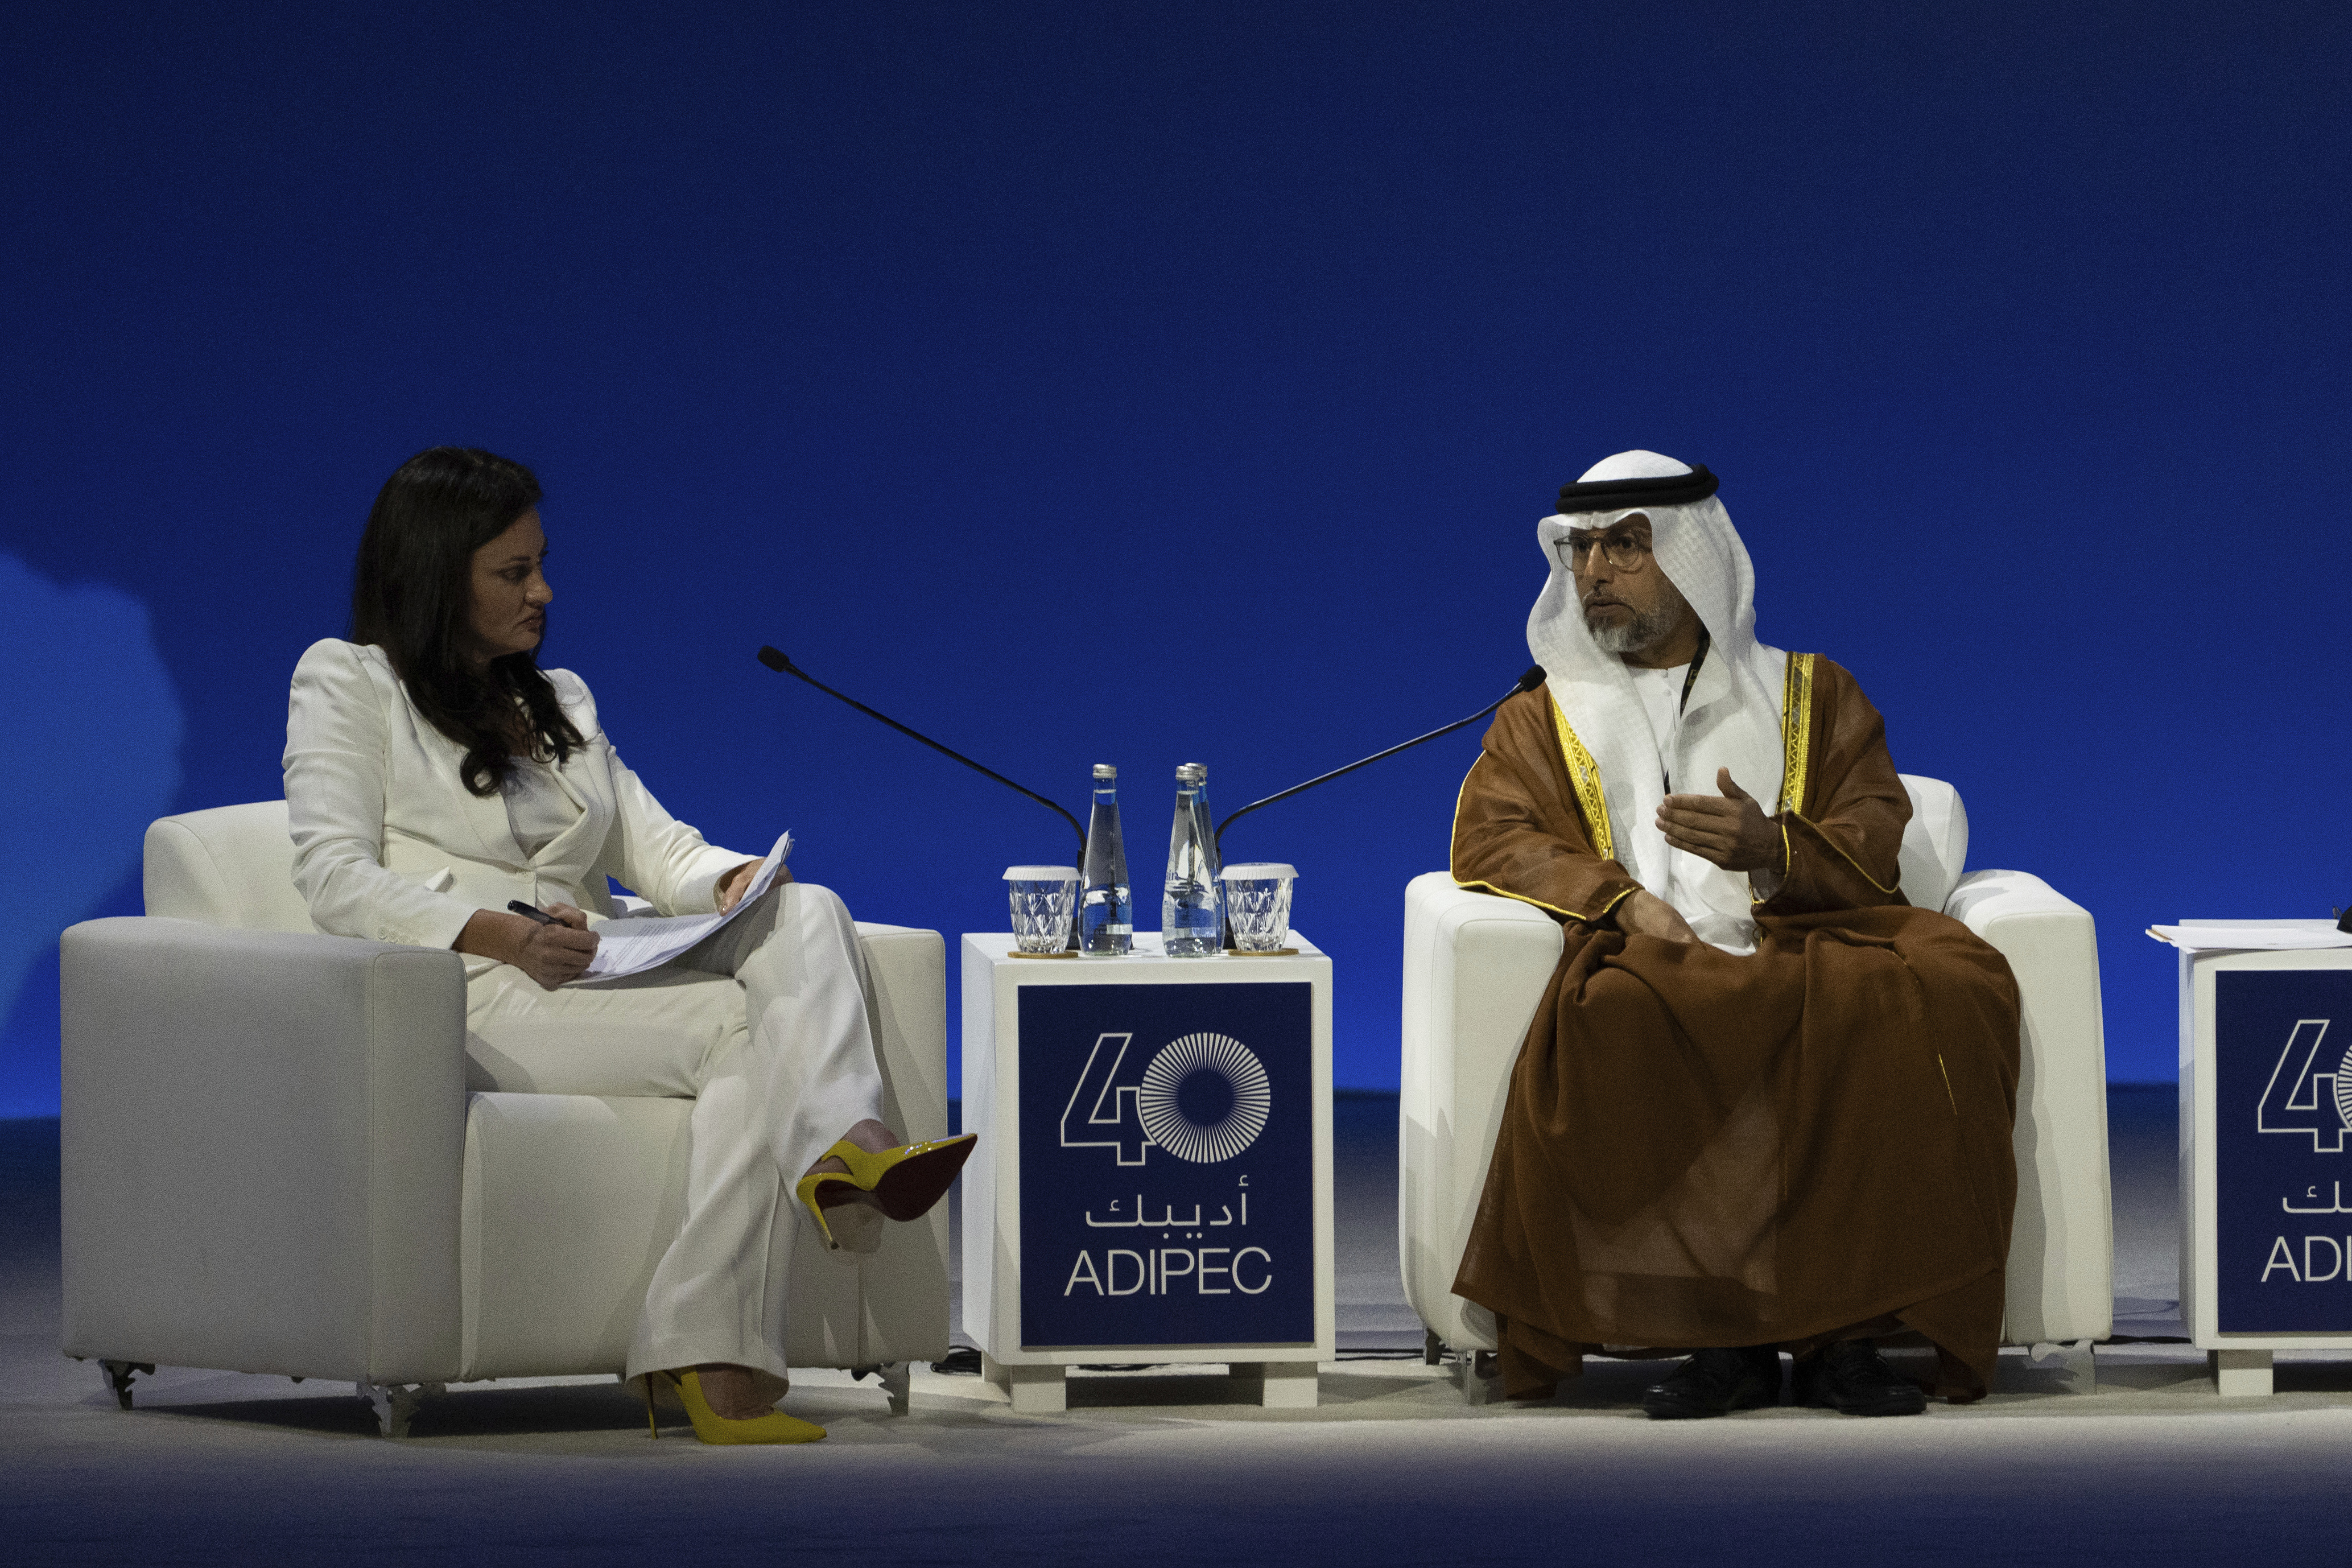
1167	1465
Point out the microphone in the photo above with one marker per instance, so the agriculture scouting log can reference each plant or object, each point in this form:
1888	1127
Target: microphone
1527	682
777	661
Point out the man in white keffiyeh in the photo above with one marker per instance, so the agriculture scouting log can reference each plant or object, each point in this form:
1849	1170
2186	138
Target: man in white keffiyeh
1766	1104
1647	630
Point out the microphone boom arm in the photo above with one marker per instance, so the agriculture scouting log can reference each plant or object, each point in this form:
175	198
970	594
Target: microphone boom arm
776	660
1527	682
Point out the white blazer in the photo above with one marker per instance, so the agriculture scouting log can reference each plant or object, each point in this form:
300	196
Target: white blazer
389	844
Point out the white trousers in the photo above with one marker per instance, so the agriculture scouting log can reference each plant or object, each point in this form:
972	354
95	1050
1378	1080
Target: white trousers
766	1025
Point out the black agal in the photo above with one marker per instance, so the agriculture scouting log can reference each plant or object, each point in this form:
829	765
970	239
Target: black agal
1620	495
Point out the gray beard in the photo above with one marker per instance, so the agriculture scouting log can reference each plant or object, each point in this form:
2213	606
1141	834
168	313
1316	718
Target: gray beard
1644	631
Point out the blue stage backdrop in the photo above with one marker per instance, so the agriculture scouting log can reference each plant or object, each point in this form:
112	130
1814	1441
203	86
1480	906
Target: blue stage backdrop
1152	384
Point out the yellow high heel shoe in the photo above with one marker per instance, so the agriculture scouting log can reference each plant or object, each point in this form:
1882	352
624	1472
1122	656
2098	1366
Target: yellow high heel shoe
905	1182
775	1426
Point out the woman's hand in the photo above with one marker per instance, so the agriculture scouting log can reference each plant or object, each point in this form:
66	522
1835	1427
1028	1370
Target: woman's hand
550	955
1644	913
553	955
732	885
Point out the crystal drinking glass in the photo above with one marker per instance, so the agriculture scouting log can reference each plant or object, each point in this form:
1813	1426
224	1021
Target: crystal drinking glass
1257	904
1042	898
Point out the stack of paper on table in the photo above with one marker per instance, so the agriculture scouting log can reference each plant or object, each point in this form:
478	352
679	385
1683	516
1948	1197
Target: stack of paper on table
2251	936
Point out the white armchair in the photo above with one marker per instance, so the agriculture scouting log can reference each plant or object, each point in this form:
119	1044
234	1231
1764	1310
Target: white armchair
1476	966
271	1162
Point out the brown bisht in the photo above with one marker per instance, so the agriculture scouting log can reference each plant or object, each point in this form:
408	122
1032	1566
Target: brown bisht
1700	1149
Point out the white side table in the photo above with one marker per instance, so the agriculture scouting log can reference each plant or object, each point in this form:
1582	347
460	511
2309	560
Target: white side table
1153	1176
2266	1155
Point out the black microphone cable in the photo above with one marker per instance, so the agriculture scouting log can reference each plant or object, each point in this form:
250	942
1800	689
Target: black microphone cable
1527	682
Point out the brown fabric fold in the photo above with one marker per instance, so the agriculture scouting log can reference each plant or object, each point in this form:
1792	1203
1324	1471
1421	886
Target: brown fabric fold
1701	1148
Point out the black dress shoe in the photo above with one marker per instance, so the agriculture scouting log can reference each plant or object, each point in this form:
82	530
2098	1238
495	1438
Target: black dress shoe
1715	1383
1853	1377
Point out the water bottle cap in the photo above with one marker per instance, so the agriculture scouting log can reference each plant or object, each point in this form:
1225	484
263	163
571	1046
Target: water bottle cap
1191	772
1105	771
1041	873
1258	872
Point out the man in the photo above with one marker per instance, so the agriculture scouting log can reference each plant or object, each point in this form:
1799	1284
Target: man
1765	1104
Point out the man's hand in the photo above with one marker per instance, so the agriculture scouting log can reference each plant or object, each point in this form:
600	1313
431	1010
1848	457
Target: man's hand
732	885
1731	832
1644	913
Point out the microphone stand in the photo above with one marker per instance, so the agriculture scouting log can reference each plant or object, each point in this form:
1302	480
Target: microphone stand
1527	682
777	661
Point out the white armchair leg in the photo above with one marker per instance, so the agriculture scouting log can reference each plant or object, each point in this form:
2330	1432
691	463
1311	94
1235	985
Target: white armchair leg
118	1374
894	1376
394	1403
2075	1362
1478	1375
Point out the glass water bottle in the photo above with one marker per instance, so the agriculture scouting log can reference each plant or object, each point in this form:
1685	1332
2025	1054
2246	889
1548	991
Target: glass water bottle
1107	904
1188	906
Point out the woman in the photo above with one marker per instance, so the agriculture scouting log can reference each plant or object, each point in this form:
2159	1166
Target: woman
435	772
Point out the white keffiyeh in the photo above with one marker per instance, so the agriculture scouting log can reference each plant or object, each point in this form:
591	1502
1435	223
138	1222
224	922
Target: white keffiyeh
1732	718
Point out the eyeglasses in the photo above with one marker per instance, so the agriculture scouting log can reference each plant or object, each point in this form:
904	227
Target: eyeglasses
1625	551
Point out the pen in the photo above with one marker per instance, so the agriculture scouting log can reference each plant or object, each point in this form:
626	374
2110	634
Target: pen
542	916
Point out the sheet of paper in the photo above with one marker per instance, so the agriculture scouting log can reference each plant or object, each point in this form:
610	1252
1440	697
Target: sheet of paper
2197	938
631	944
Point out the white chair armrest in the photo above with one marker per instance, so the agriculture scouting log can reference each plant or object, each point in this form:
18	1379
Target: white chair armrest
263	1145
908	968
2062	1251
1983	899
903	1315
1475	967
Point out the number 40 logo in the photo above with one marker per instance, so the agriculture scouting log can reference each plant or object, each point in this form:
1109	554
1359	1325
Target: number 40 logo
1204	1099
2298	1100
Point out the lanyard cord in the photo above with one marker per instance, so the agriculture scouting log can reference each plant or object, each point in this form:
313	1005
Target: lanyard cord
1688	681
1696	659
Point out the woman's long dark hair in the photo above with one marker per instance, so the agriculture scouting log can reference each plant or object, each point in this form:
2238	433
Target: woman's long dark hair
412	596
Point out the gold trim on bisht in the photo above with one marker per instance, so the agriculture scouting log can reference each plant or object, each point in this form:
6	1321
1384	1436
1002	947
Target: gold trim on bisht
1506	892
1585	773
1796	730
1555	908
1849	859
